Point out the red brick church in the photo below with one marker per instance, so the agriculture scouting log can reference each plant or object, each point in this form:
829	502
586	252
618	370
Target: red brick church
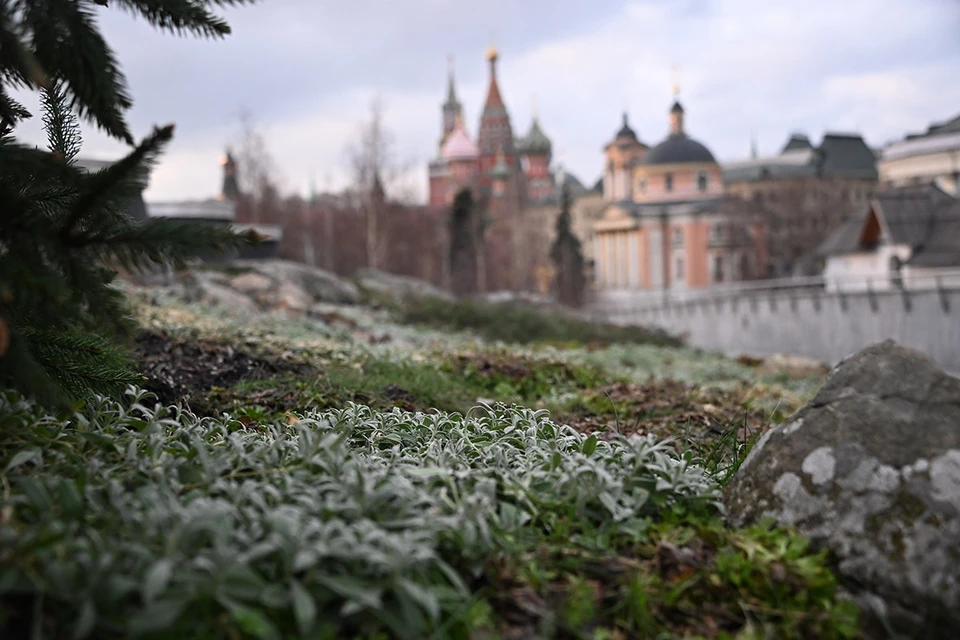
507	176
496	164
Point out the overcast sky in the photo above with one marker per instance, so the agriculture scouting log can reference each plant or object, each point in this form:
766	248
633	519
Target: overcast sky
308	69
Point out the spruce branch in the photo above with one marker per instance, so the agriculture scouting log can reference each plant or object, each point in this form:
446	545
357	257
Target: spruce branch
178	16
61	126
124	178
68	45
166	241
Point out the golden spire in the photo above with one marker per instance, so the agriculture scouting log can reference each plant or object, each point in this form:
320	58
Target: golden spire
492	53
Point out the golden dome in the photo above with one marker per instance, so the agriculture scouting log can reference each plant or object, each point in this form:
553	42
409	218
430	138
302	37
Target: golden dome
492	53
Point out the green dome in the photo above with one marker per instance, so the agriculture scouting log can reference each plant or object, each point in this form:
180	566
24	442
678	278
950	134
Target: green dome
536	141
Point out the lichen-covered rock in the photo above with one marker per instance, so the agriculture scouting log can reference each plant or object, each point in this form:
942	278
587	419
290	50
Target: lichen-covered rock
292	299
200	287
397	287
320	285
251	283
870	469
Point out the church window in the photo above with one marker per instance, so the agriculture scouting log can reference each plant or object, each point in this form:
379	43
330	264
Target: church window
678	237
702	181
718	268
679	269
668	182
642	185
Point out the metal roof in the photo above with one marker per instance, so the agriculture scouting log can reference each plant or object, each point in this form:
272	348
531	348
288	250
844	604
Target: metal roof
677	149
925	218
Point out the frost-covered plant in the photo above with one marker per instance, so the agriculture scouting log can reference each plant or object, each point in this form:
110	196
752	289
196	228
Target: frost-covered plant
134	519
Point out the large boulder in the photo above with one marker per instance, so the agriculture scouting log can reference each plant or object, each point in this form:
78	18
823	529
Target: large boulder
398	288
320	285
204	288
870	469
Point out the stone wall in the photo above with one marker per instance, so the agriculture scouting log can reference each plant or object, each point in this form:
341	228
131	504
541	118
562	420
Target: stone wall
811	323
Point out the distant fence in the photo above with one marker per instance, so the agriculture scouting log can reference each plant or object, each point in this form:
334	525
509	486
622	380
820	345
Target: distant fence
802	317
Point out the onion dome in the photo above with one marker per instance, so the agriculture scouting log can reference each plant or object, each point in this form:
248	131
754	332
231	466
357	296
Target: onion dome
459	147
625	131
536	141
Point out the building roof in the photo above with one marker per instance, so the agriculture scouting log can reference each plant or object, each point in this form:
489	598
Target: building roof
847	156
574	185
922	145
536	141
925	218
678	148
839	155
459	147
211	209
938	128
796	142
494	100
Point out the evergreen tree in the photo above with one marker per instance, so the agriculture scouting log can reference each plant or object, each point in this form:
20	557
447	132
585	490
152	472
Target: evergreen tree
64	232
567	256
463	244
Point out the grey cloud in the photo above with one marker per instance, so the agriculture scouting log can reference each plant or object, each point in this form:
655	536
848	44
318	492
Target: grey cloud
308	68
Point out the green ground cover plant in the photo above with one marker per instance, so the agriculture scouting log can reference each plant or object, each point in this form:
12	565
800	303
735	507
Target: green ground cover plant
131	519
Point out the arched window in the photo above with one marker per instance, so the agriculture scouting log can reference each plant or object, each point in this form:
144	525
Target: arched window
702	181
668	182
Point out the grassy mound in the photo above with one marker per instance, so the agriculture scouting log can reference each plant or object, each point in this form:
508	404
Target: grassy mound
135	520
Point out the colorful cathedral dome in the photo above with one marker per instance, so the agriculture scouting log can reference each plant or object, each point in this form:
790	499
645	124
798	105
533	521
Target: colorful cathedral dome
458	146
536	141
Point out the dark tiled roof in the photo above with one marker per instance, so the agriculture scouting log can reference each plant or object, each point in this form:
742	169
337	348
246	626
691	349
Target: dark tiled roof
847	156
839	156
942	249
797	141
678	148
845	238
948	126
922	217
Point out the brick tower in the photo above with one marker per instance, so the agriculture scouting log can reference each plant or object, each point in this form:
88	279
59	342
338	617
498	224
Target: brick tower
495	132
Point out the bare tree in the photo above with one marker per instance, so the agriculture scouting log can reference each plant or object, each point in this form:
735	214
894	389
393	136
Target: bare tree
257	173
378	175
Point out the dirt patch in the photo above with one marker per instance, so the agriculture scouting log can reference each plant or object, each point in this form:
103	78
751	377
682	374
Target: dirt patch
177	369
400	397
665	409
510	377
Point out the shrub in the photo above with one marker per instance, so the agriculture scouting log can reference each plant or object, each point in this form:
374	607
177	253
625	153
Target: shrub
525	325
